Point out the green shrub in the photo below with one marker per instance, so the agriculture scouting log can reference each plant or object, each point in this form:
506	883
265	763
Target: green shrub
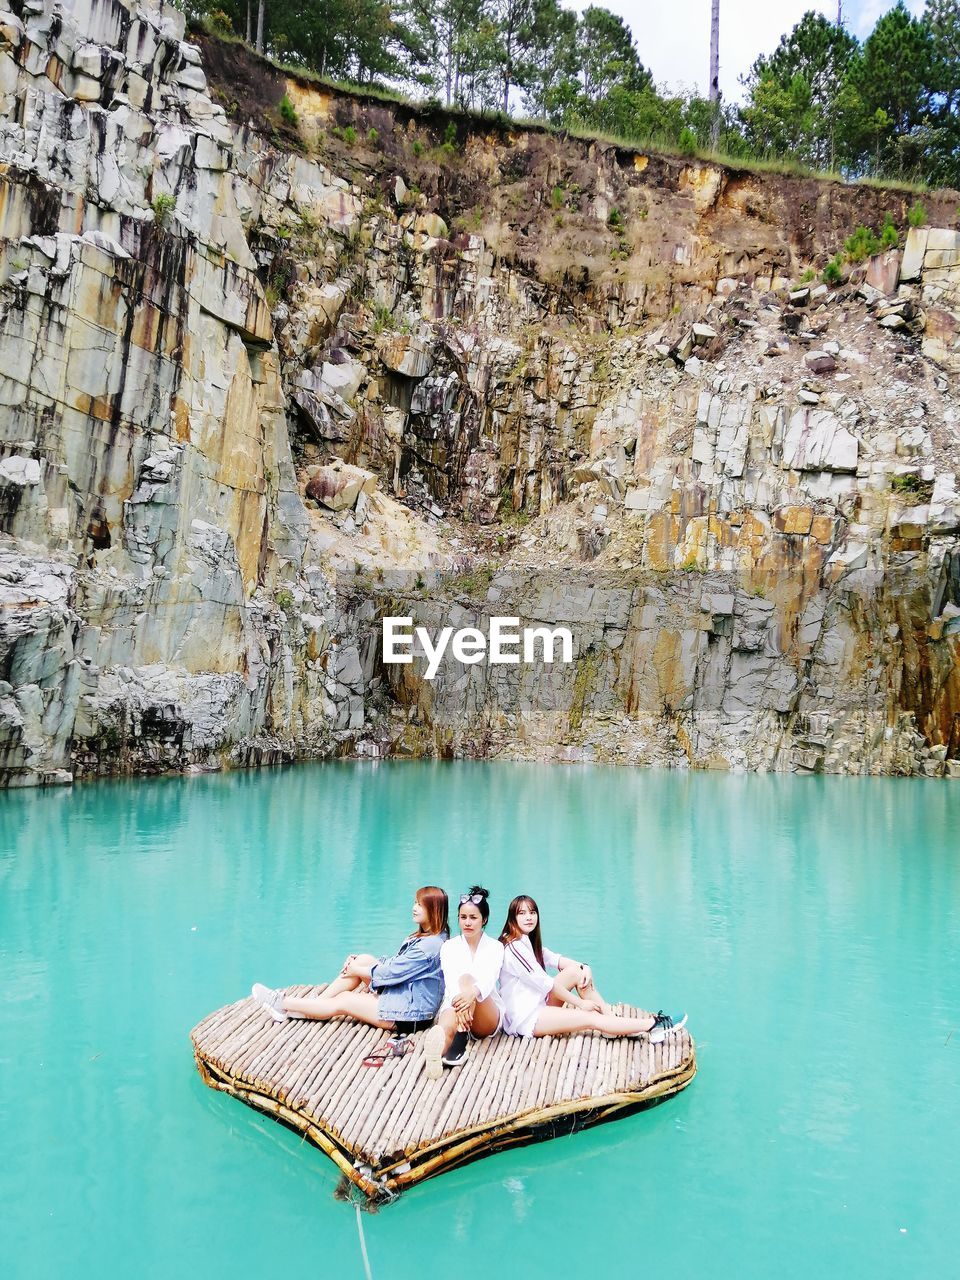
557	197
911	486
473	582
382	318
288	112
372	137
807	276
862	244
615	220
917	217
450	137
833	271
349	135
687	142
889	235
219	23
417	147
163	207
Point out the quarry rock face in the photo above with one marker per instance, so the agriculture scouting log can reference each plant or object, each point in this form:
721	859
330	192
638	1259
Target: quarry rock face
260	387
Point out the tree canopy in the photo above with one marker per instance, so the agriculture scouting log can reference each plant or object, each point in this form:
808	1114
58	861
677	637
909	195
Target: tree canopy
821	98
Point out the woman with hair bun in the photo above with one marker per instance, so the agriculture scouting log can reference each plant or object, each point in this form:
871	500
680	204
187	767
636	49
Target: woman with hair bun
471	1005
400	993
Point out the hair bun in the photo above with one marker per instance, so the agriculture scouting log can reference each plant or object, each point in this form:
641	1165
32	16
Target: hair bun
476	888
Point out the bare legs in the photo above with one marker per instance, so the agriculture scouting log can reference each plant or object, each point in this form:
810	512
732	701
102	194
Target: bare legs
481	1017
345	997
343	983
552	1021
569	976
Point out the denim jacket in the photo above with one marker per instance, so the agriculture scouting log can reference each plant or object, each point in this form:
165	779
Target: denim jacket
409	984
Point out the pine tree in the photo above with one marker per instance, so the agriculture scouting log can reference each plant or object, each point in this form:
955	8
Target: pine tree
942	159
891	97
608	55
552	62
796	93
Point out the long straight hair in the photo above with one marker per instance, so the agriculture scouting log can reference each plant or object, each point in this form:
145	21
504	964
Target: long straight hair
436	904
511	930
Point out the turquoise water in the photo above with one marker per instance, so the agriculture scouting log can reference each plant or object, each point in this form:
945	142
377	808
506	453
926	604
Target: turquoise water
810	926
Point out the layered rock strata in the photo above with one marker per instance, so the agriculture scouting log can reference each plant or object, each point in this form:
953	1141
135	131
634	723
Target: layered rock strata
262	385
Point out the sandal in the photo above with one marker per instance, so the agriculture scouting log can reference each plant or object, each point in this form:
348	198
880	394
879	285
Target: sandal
395	1047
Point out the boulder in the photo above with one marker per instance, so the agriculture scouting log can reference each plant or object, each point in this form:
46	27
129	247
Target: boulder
818	441
432	226
941	338
405	355
22	472
820	362
339	485
883	271
913	253
947	624
941	240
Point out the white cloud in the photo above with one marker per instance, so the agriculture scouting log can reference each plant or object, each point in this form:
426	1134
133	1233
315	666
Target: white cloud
864	13
674	37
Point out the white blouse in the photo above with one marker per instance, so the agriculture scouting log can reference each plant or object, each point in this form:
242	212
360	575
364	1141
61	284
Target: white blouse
524	985
483	966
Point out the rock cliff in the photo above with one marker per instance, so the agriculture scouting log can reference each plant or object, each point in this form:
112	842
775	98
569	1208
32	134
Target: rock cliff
278	360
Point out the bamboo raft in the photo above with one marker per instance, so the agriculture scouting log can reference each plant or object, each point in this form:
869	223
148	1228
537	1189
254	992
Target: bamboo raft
390	1127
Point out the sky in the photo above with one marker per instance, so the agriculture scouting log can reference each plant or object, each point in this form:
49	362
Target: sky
673	36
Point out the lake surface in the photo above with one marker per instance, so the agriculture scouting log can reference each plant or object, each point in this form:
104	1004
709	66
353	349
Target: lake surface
811	927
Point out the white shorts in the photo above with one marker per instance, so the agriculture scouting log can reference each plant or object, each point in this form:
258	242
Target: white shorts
524	1026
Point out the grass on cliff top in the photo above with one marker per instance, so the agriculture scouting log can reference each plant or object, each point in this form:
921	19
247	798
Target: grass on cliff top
376	92
781	165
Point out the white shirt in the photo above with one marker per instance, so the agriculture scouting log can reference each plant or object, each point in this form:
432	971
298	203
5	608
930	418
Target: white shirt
483	966
524	985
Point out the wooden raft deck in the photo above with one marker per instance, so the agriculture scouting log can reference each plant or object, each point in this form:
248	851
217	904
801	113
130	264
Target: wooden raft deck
387	1128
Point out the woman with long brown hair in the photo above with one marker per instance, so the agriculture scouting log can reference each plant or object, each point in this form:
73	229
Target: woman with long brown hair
534	1004
401	992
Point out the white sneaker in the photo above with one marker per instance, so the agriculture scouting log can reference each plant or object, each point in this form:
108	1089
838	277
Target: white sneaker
664	1023
270	1000
433	1042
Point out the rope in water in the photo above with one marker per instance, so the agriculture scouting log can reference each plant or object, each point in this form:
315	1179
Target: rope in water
363	1244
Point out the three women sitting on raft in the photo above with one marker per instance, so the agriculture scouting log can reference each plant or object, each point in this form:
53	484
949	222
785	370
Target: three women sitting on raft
471	984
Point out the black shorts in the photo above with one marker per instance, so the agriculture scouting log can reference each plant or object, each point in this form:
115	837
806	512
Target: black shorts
408	1028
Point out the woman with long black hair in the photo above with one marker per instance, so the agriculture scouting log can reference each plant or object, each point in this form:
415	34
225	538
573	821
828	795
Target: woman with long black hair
471	1005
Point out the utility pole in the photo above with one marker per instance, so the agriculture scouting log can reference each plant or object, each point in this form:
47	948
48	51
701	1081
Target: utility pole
715	72
839	13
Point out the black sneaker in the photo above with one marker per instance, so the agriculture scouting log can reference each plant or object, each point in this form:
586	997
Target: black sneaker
456	1055
664	1023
